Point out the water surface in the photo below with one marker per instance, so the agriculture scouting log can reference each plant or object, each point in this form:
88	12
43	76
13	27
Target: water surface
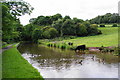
57	63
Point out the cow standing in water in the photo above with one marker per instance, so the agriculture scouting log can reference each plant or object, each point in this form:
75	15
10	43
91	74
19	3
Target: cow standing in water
81	47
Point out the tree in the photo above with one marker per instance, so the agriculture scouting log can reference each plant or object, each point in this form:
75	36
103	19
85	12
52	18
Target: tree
67	17
46	34
56	17
68	27
76	20
19	8
81	30
58	25
27	32
10	20
107	18
50	32
36	34
53	32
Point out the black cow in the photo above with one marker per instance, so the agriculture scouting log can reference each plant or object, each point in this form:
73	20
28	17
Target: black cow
81	47
70	43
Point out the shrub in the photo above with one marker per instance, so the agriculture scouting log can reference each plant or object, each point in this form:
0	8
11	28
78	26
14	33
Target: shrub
102	25
114	25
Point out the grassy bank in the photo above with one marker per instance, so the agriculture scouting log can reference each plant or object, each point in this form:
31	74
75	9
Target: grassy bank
108	38
15	66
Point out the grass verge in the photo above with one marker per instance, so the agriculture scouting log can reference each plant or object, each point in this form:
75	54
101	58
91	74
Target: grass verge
15	66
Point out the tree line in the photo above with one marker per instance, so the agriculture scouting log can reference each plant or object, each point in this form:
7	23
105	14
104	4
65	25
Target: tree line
108	18
49	27
45	27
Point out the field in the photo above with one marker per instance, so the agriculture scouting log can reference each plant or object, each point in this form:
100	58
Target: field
108	38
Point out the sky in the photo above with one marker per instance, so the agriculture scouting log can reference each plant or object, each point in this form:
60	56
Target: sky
82	9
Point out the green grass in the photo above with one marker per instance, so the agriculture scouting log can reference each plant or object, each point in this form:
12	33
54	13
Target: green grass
15	66
108	38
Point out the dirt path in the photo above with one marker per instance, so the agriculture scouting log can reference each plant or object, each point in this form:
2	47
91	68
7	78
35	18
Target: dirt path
8	47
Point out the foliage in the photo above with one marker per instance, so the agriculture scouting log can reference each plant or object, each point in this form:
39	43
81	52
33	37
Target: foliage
18	8
68	27
114	25
37	34
81	30
27	32
11	27
53	32
50	32
45	20
46	35
107	18
58	25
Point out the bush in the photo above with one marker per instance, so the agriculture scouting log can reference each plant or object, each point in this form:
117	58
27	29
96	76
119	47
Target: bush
102	25
114	25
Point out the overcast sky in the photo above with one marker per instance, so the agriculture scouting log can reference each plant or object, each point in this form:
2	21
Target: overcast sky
83	9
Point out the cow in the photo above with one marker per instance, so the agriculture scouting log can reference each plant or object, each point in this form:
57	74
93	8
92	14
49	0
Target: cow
81	47
70	43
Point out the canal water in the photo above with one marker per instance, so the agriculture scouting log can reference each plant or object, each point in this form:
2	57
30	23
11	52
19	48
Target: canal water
57	63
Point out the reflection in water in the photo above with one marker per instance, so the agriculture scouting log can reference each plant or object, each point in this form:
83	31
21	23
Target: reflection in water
56	63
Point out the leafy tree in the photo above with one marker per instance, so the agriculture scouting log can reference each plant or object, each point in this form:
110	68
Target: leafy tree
56	17
46	20
81	30
53	32
67	17
59	26
68	27
10	20
36	34
27	32
46	34
107	18
50	32
19	8
77	20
